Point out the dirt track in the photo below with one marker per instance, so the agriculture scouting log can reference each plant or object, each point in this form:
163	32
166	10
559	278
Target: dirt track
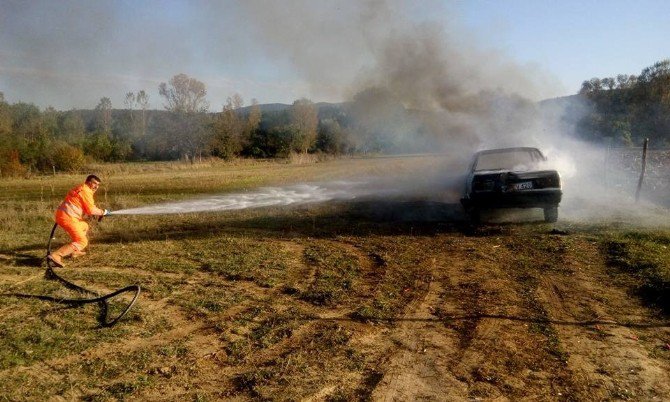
549	327
506	312
492	317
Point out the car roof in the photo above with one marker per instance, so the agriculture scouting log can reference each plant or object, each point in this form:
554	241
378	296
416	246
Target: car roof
493	151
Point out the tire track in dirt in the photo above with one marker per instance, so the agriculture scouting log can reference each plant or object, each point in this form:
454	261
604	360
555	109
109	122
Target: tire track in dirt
317	316
140	272
198	334
371	271
372	266
490	354
308	274
608	361
9	280
196	331
181	328
304	274
515	352
67	369
478	353
209	370
418	366
58	368
301	273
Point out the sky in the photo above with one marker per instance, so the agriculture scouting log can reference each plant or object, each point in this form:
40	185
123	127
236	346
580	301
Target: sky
68	54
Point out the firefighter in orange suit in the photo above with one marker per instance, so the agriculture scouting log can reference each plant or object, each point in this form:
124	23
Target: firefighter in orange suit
70	216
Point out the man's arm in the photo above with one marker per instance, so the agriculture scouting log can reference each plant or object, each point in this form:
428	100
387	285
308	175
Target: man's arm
89	204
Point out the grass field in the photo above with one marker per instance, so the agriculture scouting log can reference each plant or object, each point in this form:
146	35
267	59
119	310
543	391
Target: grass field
374	298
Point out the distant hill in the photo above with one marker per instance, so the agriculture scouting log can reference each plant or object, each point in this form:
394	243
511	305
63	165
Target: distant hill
280	107
266	108
563	101
568	111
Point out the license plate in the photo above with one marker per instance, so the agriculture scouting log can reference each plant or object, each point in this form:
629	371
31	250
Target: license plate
526	185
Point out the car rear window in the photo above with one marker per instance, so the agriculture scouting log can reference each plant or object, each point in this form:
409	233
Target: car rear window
513	159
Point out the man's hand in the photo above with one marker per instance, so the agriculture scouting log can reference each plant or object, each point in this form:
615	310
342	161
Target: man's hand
105	212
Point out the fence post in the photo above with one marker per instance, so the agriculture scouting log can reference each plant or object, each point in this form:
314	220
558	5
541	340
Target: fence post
644	167
607	159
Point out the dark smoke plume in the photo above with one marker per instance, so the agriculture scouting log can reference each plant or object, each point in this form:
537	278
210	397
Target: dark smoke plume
461	97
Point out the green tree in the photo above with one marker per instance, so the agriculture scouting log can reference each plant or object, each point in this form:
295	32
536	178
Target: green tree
651	115
30	137
129	101
629	108
6	120
27	122
282	140
304	117
130	125
104	115
332	138
253	120
50	118
99	146
71	127
185	98
142	101
184	94
229	130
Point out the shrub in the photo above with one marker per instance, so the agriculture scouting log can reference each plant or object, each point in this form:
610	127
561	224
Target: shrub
99	146
10	164
67	158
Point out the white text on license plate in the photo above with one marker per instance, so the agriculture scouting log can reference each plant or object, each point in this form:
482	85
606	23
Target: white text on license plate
523	185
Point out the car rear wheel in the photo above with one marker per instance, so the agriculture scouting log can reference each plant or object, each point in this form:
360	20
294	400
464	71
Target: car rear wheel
551	214
474	215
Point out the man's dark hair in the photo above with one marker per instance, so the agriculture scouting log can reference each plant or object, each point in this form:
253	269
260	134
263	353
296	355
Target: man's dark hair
92	177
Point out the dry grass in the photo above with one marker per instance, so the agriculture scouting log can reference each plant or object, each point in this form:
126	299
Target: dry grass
644	257
307	301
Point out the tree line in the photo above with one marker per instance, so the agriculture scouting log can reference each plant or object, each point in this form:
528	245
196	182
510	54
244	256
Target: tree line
626	109
34	140
622	110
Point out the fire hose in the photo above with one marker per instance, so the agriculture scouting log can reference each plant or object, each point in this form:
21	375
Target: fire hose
103	318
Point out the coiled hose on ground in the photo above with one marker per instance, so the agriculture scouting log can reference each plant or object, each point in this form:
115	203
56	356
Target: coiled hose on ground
103	318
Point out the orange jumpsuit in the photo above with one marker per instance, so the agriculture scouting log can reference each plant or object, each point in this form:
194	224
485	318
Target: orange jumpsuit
70	214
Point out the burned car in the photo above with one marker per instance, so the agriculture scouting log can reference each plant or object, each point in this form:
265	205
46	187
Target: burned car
511	178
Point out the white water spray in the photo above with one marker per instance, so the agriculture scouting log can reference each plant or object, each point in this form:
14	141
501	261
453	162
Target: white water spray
265	197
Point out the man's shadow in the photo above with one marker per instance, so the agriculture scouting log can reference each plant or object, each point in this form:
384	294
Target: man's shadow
21	259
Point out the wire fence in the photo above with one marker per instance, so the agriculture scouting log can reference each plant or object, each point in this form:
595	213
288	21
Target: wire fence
623	167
